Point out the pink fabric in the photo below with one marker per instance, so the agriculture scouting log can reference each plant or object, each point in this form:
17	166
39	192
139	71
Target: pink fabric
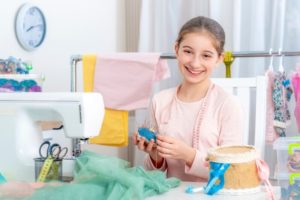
264	173
222	124
125	79
296	87
271	135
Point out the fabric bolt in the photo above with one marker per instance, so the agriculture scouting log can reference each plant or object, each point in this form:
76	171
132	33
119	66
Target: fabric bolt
215	120
281	95
271	135
102	177
125	79
114	130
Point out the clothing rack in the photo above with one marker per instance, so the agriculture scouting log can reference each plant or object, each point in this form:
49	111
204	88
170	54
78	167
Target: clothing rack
77	58
249	54
244	54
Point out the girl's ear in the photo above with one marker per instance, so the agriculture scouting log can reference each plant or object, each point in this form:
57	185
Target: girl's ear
176	47
221	58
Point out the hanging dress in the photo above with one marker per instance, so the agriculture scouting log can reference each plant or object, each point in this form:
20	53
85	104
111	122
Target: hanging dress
281	94
271	135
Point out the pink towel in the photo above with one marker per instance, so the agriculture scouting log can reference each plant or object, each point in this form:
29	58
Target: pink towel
125	79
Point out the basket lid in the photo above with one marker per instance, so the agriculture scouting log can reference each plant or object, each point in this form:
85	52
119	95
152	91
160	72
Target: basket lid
233	154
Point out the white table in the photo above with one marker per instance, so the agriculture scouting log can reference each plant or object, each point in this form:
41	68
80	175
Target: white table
179	194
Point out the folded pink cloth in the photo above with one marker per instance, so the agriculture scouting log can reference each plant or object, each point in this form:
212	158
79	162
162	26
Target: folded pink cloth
125	79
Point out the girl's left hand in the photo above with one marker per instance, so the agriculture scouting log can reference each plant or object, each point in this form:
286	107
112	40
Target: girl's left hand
170	147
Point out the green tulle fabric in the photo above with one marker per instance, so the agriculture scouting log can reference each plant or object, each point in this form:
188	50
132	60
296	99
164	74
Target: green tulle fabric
102	177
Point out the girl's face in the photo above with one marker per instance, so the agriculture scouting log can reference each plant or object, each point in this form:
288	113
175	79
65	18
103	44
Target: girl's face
197	57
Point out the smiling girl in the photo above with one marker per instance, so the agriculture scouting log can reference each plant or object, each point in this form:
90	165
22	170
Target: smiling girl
196	115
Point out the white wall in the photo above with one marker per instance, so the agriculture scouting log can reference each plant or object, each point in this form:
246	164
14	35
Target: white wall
73	27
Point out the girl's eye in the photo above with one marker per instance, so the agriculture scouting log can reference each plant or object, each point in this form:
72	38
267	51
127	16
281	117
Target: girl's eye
207	56
187	51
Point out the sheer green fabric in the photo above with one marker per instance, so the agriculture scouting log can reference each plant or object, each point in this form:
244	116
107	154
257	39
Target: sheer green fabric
101	177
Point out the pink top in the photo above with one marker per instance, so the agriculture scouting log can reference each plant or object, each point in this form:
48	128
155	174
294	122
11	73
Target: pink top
214	120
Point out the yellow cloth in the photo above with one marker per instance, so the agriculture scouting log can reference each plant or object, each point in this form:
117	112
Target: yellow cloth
88	64
114	131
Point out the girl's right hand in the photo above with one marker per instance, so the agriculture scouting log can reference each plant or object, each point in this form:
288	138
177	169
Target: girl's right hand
144	145
148	147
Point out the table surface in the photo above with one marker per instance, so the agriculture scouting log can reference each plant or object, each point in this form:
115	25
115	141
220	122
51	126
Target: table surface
179	193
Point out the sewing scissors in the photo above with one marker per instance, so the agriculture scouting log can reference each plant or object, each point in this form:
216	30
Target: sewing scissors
54	151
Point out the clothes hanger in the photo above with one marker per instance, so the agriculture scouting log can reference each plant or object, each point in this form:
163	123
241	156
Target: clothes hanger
280	69
271	67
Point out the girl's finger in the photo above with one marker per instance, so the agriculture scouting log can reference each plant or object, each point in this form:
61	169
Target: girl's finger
134	137
150	145
165	138
163	155
141	143
164	144
164	150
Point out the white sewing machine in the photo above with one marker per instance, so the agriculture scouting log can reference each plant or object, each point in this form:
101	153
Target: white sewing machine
21	117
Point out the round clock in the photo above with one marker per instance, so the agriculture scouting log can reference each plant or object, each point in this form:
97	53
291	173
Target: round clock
30	27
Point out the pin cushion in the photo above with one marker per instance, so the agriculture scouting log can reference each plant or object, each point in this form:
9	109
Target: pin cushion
147	133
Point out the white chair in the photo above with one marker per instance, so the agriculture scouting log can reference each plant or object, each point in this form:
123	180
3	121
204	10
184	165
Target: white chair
252	94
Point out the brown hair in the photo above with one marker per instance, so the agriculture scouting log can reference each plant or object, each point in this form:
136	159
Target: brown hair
204	24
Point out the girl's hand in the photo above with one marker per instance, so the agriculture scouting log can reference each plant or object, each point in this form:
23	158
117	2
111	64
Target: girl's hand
170	147
148	147
142	144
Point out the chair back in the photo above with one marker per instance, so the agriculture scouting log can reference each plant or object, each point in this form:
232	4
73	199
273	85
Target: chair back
252	94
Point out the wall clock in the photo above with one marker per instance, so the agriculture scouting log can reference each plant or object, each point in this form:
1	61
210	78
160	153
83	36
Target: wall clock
30	26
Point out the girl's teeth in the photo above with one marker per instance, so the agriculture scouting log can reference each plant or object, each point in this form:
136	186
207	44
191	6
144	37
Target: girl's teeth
194	72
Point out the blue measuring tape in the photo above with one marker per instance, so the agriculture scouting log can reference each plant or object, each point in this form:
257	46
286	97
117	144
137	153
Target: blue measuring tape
217	171
2	179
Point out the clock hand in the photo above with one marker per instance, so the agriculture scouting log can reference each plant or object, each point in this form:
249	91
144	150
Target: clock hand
31	27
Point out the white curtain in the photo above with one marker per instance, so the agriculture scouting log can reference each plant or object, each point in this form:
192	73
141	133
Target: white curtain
250	25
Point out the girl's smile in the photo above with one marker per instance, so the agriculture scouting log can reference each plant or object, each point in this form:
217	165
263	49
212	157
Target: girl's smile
192	71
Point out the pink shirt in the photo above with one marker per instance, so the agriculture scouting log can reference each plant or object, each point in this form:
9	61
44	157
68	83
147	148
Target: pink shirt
214	120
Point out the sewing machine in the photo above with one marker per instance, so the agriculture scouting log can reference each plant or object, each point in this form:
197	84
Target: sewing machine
23	117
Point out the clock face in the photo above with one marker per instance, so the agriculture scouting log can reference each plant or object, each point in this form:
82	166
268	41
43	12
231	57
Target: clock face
30	27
